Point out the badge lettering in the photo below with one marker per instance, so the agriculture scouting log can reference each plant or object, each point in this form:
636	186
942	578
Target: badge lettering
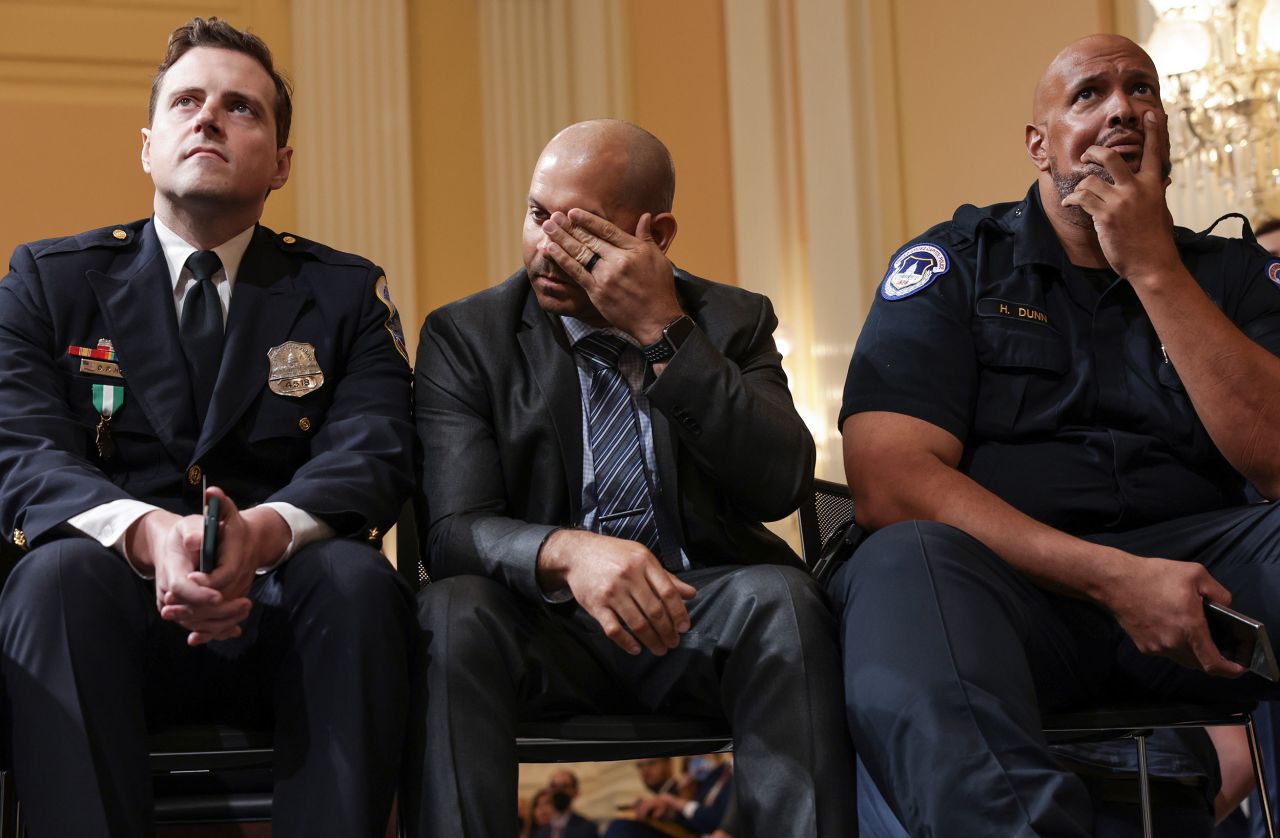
294	369
993	307
95	367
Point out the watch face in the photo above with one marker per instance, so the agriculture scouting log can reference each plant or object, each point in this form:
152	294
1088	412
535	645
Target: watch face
678	331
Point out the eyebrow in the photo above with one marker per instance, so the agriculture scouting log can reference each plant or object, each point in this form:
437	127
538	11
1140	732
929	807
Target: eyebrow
237	95
1127	76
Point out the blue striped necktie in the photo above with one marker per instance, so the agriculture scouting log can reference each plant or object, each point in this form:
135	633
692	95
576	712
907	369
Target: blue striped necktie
624	506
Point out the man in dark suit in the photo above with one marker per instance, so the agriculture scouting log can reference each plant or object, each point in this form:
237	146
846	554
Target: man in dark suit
602	435
137	363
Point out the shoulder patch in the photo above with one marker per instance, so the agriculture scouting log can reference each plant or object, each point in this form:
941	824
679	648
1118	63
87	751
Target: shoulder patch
914	269
1273	271
392	323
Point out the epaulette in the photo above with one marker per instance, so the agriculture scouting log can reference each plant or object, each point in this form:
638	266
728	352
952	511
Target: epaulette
119	235
290	243
969	219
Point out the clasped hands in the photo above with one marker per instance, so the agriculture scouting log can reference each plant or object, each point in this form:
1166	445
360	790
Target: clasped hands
622	585
211	606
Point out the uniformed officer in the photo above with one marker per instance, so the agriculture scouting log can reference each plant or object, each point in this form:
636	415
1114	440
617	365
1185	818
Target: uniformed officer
1049	420
138	363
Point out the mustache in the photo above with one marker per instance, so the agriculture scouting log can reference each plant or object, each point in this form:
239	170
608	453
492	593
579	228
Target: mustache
545	266
1118	131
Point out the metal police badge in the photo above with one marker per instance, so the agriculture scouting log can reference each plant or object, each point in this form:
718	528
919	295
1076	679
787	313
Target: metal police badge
294	370
913	270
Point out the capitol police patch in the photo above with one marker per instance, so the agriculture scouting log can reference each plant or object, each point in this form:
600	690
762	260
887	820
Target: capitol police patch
913	270
1273	271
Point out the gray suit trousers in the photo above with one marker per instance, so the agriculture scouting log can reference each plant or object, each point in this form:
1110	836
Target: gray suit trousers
761	655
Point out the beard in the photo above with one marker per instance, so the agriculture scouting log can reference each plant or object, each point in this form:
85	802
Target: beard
1067	181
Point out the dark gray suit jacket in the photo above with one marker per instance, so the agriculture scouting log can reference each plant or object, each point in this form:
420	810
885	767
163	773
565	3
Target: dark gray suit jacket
499	417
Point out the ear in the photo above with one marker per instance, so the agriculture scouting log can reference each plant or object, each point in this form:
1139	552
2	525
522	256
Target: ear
663	229
146	150
1035	147
284	164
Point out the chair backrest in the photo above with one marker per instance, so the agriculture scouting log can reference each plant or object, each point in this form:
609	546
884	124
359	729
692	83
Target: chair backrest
826	514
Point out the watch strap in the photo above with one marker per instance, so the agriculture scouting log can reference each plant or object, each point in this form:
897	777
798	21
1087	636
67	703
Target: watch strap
673	337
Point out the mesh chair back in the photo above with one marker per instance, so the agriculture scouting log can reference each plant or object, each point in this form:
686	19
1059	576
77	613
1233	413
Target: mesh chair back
826	524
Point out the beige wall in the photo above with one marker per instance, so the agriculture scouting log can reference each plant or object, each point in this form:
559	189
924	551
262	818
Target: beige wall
679	92
448	171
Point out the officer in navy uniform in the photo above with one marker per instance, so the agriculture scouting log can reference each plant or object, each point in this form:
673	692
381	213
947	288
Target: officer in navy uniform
1048	423
138	363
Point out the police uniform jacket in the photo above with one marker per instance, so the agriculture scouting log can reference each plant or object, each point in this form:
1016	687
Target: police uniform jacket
500	423
1052	376
341	452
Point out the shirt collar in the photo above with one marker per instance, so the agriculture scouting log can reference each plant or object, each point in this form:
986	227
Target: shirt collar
1038	242
176	251
576	330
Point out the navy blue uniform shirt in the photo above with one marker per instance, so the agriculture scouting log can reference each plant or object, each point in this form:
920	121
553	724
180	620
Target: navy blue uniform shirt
1052	376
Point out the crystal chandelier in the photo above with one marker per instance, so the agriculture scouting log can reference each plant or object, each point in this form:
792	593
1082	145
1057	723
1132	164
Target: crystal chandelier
1219	62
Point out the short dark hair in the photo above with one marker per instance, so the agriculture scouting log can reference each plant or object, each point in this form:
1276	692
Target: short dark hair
219	34
1266	225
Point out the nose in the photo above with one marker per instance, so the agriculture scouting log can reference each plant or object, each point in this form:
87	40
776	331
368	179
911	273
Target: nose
1121	111
207	120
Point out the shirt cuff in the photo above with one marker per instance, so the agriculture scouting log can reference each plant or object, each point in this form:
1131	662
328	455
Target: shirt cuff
304	528
107	524
560	595
690	809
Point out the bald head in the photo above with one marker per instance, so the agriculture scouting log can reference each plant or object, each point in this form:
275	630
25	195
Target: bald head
1074	59
640	175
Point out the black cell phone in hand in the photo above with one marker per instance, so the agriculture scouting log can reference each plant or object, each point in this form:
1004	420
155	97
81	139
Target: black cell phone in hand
209	545
1242	640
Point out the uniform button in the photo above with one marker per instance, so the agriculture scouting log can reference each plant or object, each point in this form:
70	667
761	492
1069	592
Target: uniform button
194	475
20	539
288	240
304	424
120	234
